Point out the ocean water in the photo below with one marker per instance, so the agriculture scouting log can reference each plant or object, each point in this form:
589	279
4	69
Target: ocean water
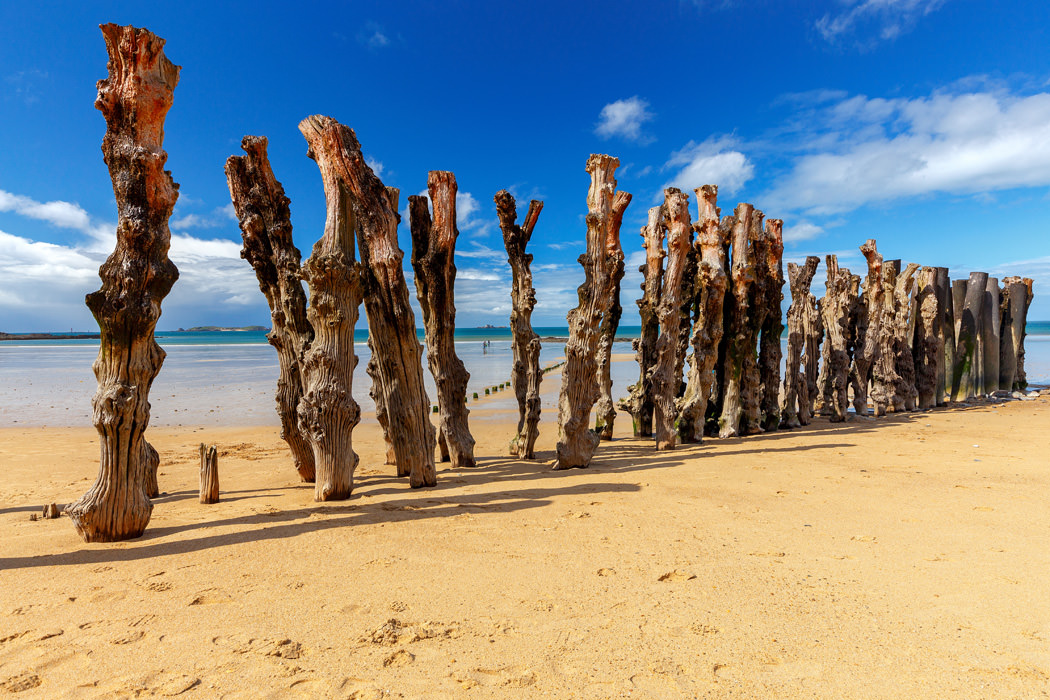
228	378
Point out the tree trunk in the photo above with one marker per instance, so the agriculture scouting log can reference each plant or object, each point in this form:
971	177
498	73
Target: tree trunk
579	388
639	403
928	347
605	409
947	322
964	375
992	331
266	228
433	259
526	374
769	353
739	342
799	280
866	352
327	410
376	392
665	379
134	98
1017	299
716	401
710	291
687	312
835	312
750	385
904	393
209	477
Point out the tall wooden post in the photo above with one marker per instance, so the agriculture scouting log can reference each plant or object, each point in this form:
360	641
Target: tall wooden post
604	408
433	259
739	335
1017	297
928	346
947	322
964	375
579	389
751	387
769	352
991	327
526	374
639	403
835	312
801	313
866	352
900	324
134	98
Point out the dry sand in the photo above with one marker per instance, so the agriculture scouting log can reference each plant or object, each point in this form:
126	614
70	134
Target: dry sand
903	558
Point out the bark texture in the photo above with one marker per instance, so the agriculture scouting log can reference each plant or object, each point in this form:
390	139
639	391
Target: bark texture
605	409
328	412
835	313
665	379
579	389
900	324
991	334
928	346
134	99
266	229
866	352
800	315
209	476
526	374
770	260
964	375
1017	298
433	259
946	319
750	385
709	294
375	391
639	402
739	339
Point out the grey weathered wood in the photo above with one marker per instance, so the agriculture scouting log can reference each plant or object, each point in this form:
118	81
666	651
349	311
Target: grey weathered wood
990	327
770	260
866	352
1018	298
801	313
835	310
964	375
928	345
209	474
604	408
750	385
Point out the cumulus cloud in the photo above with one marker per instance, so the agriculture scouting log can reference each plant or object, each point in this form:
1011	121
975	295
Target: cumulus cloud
869	22
713	161
801	231
624	118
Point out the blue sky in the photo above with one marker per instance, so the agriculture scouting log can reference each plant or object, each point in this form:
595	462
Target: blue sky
922	123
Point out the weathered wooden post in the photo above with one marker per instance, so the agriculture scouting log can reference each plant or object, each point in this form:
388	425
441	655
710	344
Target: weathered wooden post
835	311
991	319
604	408
665	380
1017	297
433	259
801	313
266	228
738	334
750	385
526	375
134	98
900	323
947	334
866	351
579	389
707	329
639	402
770	259
928	346
209	476
964	374
375	392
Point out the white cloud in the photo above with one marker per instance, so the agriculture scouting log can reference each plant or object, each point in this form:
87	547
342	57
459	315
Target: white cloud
624	118
375	165
712	162
57	213
872	21
563	245
861	150
801	231
373	36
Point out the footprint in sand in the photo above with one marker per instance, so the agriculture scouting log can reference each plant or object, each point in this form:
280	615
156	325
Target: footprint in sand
24	681
401	657
129	638
677	575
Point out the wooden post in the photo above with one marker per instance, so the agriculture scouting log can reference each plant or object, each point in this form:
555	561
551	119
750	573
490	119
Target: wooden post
1017	298
328	412
134	99
665	379
800	277
707	330
866	351
579	388
433	259
991	333
209	492
687	312
750	385
958	300
716	401
605	409
526	375
835	311
947	334
964	375
900	324
266	228
769	353
375	391
928	347
739	335
639	402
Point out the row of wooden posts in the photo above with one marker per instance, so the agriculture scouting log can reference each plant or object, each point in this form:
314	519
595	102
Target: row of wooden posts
712	296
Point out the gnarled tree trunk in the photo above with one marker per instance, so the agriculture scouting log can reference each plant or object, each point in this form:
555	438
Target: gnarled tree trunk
866	351
605	409
579	388
134	98
739	339
928	347
835	310
266	228
526	374
665	378
716	401
707	330
328	412
639	402
770	259
964	375
433	259
803	303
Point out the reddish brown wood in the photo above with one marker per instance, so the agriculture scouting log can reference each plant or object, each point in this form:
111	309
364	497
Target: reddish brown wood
866	351
604	408
639	402
740	339
835	313
134	98
209	474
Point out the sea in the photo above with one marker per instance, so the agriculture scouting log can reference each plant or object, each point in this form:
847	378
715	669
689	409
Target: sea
219	378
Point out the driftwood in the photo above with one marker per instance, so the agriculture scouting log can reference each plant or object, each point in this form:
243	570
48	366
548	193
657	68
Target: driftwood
738	338
579	389
639	402
433	259
835	310
750	383
709	293
990	333
526	375
266	228
328	412
801	317
964	374
947	333
665	379
770	261
209	476
928	346
604	408
134	99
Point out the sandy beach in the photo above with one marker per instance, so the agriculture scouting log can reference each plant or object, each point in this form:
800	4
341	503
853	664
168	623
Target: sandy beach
898	558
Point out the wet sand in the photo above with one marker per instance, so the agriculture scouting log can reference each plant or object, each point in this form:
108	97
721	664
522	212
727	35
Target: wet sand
899	558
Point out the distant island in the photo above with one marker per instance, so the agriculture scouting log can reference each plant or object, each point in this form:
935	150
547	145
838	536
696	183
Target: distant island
209	329
489	326
49	336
